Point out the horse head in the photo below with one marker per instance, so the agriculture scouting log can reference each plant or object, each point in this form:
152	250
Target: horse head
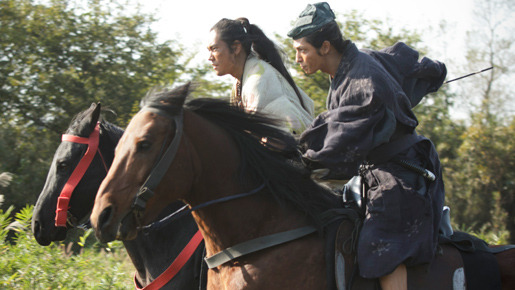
117	212
67	158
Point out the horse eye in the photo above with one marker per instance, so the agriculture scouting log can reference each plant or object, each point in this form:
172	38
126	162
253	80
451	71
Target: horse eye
143	145
61	165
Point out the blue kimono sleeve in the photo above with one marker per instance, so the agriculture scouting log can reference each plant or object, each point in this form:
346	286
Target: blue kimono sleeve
341	138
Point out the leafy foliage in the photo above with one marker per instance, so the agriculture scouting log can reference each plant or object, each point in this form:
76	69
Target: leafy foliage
483	180
486	167
55	60
24	264
58	59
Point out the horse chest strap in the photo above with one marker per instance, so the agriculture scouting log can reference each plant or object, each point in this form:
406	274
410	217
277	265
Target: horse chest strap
255	245
176	265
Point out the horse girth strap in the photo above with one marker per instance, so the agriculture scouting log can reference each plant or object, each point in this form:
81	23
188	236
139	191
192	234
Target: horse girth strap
257	244
146	191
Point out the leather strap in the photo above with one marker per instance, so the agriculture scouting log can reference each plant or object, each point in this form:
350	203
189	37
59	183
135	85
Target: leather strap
61	212
176	265
255	245
146	191
185	211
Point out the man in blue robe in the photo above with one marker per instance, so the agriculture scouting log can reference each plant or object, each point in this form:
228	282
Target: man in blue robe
369	129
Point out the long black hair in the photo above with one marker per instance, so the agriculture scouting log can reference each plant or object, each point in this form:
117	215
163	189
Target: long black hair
252	37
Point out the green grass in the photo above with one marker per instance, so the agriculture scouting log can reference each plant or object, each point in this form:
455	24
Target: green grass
82	263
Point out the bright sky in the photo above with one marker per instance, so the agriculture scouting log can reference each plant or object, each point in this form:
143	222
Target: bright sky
190	21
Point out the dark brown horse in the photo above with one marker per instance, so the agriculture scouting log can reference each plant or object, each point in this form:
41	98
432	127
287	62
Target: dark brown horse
218	153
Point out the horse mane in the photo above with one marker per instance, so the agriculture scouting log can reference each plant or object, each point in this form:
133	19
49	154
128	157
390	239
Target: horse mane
276	161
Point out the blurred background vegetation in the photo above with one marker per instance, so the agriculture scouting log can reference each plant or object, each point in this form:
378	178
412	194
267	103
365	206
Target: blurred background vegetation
55	60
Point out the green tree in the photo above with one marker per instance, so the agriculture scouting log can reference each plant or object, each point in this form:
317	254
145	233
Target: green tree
483	186
436	123
490	44
55	60
483	191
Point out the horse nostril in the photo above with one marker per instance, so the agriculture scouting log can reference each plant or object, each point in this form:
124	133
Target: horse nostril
39	234
104	217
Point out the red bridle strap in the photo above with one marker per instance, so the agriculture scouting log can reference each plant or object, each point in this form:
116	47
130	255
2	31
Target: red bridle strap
176	265
61	213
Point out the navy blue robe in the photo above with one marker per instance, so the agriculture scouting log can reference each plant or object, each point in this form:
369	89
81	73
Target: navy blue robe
369	106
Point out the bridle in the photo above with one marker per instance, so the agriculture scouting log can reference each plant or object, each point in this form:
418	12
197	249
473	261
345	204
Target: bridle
159	169
146	192
62	215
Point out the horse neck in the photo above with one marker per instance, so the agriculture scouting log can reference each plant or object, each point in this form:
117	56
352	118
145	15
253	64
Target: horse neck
109	137
225	225
236	221
154	251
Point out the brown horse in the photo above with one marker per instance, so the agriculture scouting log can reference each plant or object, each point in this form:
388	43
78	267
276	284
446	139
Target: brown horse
236	171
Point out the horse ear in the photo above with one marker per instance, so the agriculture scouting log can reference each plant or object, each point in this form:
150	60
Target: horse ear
95	115
183	91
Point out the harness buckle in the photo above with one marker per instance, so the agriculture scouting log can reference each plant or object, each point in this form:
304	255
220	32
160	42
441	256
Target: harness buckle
61	211
141	199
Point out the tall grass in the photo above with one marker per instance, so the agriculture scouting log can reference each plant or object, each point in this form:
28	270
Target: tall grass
24	264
